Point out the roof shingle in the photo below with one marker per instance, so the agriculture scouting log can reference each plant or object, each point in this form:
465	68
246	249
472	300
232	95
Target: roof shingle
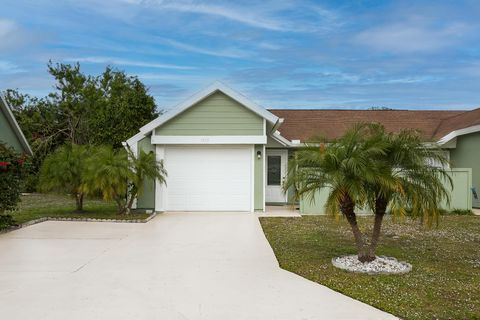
330	124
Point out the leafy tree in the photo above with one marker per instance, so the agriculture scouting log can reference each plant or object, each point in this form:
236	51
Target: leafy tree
368	167
63	172
123	106
106	109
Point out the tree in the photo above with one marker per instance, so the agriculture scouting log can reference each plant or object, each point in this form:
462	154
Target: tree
101	110
416	174
123	106
367	167
120	175
63	172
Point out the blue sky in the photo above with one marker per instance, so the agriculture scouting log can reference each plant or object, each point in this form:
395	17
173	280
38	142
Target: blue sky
282	54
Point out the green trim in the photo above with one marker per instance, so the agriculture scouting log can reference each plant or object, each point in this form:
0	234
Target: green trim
259	188
146	200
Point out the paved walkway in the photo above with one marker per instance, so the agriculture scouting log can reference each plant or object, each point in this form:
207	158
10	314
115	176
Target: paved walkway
177	266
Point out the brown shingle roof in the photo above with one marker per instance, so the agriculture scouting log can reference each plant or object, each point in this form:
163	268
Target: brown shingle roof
460	121
304	124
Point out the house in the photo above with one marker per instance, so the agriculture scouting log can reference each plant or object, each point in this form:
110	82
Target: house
224	152
10	132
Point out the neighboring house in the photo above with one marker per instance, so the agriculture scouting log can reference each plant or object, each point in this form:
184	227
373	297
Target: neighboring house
224	152
10	132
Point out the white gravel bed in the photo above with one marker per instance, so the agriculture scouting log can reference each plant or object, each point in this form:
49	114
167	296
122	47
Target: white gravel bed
381	265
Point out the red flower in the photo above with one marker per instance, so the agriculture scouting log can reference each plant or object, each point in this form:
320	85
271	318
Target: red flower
4	163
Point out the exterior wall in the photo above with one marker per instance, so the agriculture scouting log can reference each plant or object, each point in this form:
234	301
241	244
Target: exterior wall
217	115
258	184
146	200
467	155
7	134
461	196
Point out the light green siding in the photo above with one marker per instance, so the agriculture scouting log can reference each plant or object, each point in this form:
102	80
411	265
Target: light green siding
216	115
146	200
460	197
7	134
258	179
467	155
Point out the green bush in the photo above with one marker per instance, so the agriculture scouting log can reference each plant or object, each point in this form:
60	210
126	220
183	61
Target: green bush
12	171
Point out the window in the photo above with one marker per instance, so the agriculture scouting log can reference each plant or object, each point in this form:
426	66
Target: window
274	170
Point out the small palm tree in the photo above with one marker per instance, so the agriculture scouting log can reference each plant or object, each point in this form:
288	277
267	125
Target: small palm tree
62	171
367	167
119	175
415	179
108	172
143	167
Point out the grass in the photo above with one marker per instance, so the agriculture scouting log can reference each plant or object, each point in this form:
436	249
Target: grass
444	282
35	206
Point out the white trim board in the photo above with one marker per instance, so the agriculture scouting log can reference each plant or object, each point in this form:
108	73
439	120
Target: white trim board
459	132
209	139
216	86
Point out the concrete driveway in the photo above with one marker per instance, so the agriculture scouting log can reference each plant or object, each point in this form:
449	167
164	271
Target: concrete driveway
177	266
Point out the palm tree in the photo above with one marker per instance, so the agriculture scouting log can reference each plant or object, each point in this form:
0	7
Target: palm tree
417	177
119	175
144	167
367	167
108	172
62	171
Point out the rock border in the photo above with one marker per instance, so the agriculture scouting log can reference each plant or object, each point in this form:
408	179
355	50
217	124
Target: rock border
406	267
40	220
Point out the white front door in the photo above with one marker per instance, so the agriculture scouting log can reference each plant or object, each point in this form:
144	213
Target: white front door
276	169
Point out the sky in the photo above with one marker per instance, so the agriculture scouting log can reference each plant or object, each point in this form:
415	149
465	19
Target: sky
281	54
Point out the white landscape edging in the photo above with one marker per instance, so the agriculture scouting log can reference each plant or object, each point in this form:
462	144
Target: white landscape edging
39	220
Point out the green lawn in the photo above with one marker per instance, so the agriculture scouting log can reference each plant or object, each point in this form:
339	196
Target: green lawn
444	282
34	206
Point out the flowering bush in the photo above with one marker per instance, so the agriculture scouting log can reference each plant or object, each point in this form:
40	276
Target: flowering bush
12	168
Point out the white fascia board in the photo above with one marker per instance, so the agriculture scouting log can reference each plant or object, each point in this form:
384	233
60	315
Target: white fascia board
283	141
134	140
216	86
13	122
209	139
456	133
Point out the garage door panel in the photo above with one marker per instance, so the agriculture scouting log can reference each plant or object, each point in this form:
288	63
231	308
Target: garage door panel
208	179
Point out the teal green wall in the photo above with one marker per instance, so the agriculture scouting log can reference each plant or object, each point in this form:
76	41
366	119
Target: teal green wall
467	155
216	115
146	200
7	135
460	195
258	178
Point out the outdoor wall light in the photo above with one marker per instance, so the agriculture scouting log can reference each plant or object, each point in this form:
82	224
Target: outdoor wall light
259	154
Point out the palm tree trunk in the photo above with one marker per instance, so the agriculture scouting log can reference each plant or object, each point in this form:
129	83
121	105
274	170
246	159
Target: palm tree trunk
380	210
347	206
79	202
133	194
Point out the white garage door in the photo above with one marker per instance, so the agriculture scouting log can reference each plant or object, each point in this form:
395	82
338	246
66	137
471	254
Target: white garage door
209	178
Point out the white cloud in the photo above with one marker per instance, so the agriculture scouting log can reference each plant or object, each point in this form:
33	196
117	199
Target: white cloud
126	62
6	67
229	53
411	37
11	35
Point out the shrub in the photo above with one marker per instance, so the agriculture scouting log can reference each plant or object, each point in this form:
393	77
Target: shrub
11	174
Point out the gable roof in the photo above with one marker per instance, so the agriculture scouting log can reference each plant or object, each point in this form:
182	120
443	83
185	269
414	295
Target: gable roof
303	124
199	96
5	109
